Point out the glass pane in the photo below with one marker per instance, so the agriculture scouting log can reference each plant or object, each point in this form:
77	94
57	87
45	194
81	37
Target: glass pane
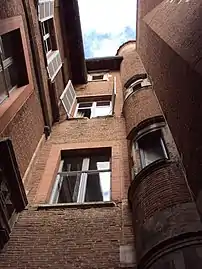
98	187
5	197
103	103
99	163
11	77
151	147
7	42
97	77
49	45
46	27
69	189
3	92
85	105
84	113
102	111
73	164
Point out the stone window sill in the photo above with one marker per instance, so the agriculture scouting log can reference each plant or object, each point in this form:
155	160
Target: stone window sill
76	205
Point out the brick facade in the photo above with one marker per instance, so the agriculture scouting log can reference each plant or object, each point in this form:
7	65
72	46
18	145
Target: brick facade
151	220
85	237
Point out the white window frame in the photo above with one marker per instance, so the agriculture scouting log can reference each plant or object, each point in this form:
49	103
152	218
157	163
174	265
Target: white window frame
93	108
46	36
54	61
65	97
105	77
43	3
82	184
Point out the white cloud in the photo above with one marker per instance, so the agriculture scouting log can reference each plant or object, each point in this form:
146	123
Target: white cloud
107	16
106	24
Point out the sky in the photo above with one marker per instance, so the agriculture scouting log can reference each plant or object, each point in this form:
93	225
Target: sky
106	24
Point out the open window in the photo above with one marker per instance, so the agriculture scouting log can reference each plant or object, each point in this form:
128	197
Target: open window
12	194
46	18
136	85
83	178
13	71
93	109
99	76
151	147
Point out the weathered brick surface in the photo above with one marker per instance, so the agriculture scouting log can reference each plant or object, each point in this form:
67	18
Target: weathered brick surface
166	224
131	64
139	106
75	238
66	238
169	188
25	130
177	87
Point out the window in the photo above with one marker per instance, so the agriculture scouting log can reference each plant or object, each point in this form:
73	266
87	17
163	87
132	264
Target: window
12	193
136	85
47	27
5	197
13	72
82	179
151	148
98	77
68	98
93	109
46	18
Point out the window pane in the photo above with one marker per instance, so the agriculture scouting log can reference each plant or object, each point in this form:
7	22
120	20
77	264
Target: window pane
151	148
11	77
99	163
103	103
102	110
97	77
73	164
49	45
3	92
69	189
85	105
84	113
7	45
5	197
98	187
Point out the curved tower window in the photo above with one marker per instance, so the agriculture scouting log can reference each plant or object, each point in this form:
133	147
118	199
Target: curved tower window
151	148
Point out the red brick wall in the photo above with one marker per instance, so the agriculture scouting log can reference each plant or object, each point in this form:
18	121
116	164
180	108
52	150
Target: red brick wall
178	89
25	130
85	238
26	127
131	64
139	106
65	238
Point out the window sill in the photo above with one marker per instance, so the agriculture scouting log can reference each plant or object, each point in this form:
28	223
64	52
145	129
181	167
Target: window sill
86	118
10	106
76	205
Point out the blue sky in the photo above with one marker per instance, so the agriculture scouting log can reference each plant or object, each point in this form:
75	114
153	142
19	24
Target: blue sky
106	24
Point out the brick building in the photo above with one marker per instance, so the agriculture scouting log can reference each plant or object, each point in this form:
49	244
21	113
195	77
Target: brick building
91	176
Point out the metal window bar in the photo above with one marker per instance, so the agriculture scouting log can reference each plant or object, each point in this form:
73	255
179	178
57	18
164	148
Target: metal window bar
73	173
